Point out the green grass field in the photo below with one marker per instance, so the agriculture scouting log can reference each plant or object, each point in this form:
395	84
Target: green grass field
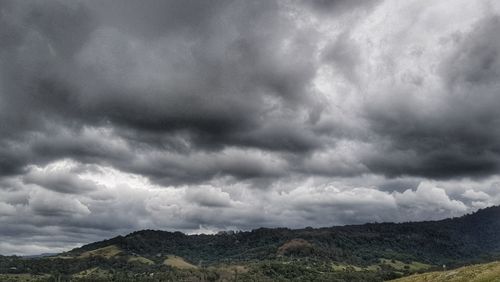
488	272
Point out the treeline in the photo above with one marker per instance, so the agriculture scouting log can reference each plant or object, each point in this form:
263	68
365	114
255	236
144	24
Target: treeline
280	254
119	269
471	238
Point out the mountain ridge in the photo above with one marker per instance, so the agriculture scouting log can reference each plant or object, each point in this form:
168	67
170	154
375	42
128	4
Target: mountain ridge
477	229
367	252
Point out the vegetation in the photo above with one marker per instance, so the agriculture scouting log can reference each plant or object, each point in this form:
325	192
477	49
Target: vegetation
489	272
369	252
106	252
178	262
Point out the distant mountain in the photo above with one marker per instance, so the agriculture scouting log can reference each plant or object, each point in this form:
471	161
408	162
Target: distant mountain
368	252
41	255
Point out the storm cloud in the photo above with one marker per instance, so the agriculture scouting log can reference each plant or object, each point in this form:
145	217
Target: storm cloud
210	115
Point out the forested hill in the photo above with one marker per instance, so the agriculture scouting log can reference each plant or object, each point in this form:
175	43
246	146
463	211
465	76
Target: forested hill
370	252
470	238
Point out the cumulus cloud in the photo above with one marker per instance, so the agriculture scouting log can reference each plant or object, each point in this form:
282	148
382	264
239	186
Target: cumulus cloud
125	202
186	115
429	199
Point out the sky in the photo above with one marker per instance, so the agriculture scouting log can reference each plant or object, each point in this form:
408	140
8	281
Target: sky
201	116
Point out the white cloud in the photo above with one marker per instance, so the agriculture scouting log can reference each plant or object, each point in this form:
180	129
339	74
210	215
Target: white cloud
475	195
429	201
124	202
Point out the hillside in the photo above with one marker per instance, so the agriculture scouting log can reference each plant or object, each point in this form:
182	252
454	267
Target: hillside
369	252
488	272
468	238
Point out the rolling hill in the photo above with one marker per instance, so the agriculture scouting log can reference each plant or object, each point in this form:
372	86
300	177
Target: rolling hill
469	238
369	252
488	272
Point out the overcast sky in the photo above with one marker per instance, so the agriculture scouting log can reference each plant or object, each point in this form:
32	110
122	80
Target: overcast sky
202	116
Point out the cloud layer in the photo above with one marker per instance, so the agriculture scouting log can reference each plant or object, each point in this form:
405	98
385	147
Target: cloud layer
236	114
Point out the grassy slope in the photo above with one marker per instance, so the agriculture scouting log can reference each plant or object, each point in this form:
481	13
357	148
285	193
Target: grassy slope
488	272
141	260
178	262
413	266
106	252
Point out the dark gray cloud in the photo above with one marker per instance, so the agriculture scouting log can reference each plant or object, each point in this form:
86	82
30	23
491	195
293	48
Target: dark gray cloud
457	136
399	184
201	116
335	7
210	73
344	55
62	182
